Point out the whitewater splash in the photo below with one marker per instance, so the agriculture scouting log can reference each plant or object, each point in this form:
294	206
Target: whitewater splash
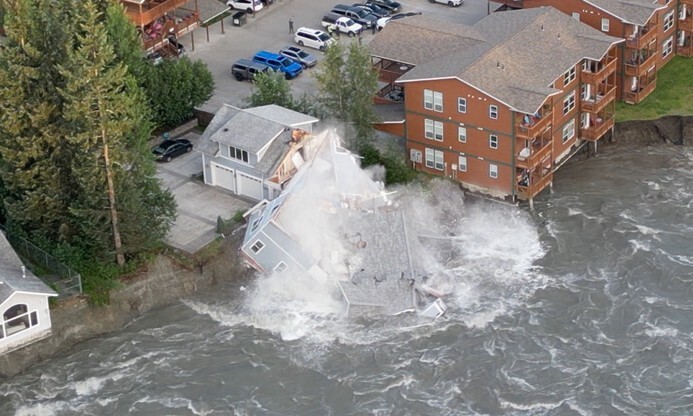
480	255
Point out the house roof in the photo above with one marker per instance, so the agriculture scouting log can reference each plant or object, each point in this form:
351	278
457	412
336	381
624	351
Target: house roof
418	39
511	64
390	113
209	9
636	12
282	115
13	279
275	154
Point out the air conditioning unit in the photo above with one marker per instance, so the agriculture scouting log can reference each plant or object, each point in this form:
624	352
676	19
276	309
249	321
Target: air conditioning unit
453	166
415	155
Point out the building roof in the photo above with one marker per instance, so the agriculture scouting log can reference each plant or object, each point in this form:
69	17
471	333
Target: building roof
14	277
275	154
636	12
390	113
282	115
511	63
209	9
418	39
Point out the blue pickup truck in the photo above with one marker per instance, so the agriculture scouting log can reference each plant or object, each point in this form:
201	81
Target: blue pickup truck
279	63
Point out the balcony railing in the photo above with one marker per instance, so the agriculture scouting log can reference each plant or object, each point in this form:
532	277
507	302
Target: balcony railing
641	40
536	156
158	41
686	50
151	11
597	104
687	2
597	77
529	126
390	71
600	127
640	66
634	97
537	183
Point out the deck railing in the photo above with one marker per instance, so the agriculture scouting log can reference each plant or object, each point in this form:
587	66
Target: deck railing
639	68
535	157
537	184
528	126
599	102
645	37
597	77
600	127
634	97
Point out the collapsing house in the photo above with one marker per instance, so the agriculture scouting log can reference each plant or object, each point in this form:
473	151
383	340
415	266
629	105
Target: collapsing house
335	223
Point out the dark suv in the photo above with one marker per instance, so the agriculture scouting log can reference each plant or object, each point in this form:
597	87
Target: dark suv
247	69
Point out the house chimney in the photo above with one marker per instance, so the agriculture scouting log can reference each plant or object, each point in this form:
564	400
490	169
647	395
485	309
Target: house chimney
23	272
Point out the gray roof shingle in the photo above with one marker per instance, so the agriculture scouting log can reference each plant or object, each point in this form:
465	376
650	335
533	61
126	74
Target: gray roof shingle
238	128
636	12
13	279
282	115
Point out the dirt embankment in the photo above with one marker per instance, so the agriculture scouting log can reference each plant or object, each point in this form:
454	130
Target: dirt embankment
162	283
666	130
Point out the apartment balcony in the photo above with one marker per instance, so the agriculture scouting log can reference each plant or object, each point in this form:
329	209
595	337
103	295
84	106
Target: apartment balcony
686	2
595	104
537	181
389	94
598	129
634	97
640	66
646	35
154	40
530	157
528	127
147	12
687	23
390	71
685	50
601	74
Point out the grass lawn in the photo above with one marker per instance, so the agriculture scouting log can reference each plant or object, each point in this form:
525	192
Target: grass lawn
673	95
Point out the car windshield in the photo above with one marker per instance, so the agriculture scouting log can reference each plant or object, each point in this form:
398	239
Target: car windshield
323	37
361	13
286	62
349	22
302	54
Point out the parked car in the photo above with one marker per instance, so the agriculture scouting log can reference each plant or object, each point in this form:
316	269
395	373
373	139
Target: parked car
374	9
155	58
279	63
384	20
170	148
391	5
177	47
313	38
451	3
246	5
246	69
363	17
299	56
342	24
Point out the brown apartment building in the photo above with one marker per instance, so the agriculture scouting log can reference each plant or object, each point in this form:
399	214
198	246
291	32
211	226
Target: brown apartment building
500	105
158	20
654	30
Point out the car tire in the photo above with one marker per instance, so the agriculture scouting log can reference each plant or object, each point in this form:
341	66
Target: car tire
300	42
168	158
450	4
304	66
238	77
352	34
230	6
249	10
188	149
322	48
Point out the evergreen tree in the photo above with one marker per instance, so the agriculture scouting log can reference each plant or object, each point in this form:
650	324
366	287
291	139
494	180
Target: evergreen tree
271	88
331	77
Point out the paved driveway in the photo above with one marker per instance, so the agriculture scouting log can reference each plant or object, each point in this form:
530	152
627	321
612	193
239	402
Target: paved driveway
199	205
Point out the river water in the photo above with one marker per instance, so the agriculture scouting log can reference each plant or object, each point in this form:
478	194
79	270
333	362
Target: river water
583	307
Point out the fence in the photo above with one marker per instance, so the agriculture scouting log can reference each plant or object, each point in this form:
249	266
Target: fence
59	277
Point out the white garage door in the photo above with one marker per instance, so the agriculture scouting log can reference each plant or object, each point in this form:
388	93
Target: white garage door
223	177
249	186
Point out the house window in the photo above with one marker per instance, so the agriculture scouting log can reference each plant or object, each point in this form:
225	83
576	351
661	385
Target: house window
667	46
569	103
238	154
569	76
493	111
433	100
433	130
493	171
280	267
462	105
462	134
255	248
584	120
462	164
605	25
669	21
493	141
568	130
16	319
256	222
434	159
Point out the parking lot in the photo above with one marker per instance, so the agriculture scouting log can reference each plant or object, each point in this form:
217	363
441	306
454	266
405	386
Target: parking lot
269	29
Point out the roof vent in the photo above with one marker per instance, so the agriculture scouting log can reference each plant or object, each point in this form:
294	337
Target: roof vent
559	36
23	272
542	28
226	129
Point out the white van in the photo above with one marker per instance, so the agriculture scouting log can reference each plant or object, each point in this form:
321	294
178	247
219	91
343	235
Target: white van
245	5
313	38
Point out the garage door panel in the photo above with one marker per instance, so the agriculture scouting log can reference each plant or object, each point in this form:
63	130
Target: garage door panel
224	177
250	186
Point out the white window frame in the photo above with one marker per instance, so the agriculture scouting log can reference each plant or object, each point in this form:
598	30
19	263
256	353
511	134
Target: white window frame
280	267
257	246
493	171
569	103
668	46
461	105
462	163
668	20
433	130
428	99
433	100
568	130
430	158
605	25
434	159
569	76
239	154
462	134
493	141
493	112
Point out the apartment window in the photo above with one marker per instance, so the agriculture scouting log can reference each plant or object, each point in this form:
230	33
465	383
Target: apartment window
255	248
238	154
569	103
493	171
569	76
462	105
493	141
667	46
433	130
434	159
669	21
493	111
462	164
682	12
568	130
605	25
433	100
280	267
584	120
462	134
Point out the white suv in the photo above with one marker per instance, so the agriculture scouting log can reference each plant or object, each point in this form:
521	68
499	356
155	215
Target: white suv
316	39
245	5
